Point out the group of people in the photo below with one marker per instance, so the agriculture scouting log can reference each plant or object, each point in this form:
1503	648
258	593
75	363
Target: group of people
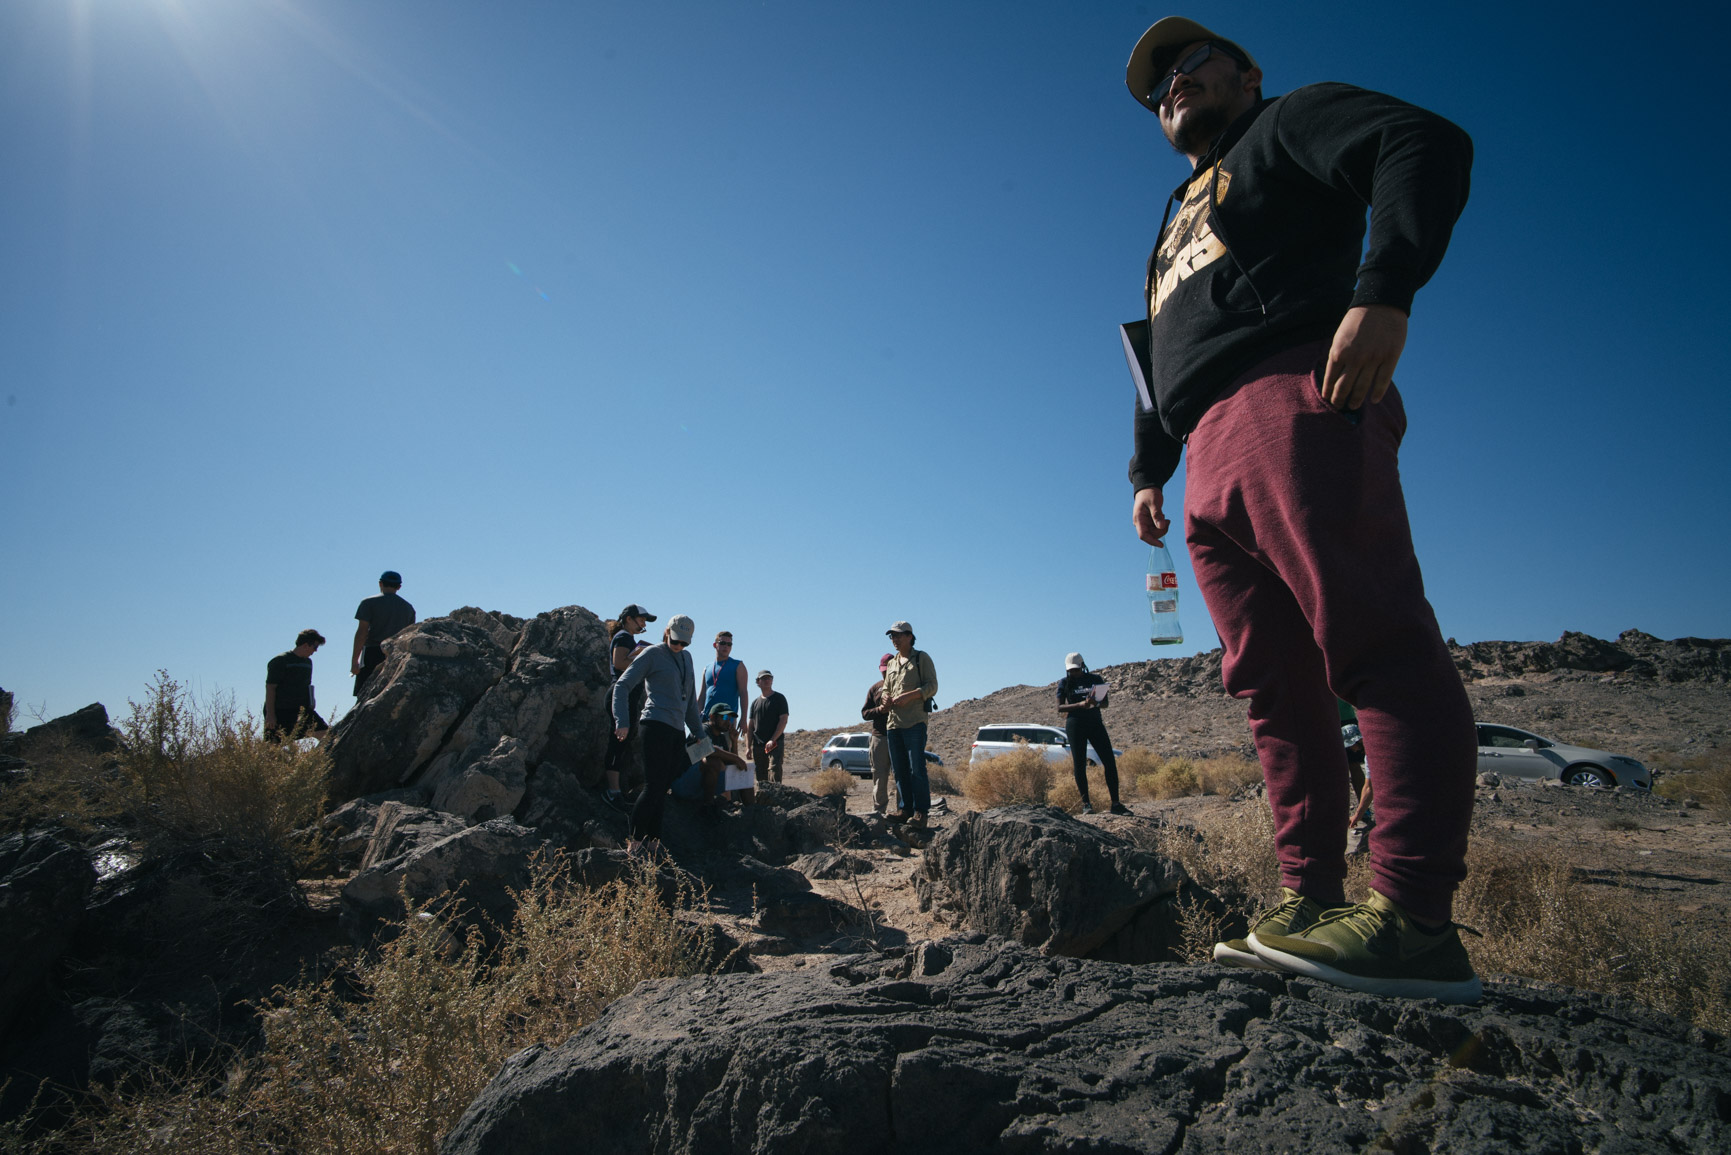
658	696
290	706
1274	322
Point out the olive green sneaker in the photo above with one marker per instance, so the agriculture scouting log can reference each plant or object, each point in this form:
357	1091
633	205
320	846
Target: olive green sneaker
1293	914
1375	947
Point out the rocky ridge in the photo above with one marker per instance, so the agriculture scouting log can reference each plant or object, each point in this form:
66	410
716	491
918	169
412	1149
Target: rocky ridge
977	1044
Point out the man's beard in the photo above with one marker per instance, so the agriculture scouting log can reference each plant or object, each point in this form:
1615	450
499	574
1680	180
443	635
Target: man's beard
1198	131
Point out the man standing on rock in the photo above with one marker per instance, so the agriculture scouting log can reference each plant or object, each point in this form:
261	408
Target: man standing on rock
768	723
380	618
1274	331
875	712
910	683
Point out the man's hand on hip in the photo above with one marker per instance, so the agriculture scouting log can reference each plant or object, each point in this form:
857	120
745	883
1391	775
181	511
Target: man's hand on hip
1148	516
1361	361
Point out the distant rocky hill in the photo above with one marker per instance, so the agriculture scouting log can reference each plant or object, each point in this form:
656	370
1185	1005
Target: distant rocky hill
1639	694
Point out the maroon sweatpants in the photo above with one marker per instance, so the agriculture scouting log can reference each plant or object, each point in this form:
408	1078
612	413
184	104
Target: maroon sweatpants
1299	536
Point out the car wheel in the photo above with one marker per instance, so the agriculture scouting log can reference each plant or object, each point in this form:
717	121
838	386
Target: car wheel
1588	776
835	764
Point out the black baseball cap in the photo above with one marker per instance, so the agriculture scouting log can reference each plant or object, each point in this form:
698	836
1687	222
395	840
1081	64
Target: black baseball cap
636	611
390	578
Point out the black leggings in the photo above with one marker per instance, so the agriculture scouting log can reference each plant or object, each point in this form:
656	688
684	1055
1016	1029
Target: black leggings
1083	727
663	760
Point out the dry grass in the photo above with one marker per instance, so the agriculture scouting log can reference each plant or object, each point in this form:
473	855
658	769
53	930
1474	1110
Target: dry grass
1541	918
1157	777
1705	777
385	1059
1064	795
941	780
832	783
1021	777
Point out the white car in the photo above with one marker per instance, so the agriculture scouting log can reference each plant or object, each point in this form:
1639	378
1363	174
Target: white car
1519	754
1004	737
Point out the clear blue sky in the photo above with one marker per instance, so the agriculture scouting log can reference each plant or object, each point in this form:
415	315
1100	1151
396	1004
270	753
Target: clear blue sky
797	317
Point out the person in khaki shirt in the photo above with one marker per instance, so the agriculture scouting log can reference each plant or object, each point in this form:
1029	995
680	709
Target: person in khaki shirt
910	681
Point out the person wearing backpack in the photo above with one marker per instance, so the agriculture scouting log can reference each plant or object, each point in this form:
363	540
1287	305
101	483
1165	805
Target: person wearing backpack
910	684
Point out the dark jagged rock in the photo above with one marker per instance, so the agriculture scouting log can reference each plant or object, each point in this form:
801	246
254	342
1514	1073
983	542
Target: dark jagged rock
477	866
554	687
827	864
87	729
44	884
1046	880
983	1046
434	673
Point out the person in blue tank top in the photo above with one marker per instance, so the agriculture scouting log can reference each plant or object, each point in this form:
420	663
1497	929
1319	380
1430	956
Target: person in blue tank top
724	683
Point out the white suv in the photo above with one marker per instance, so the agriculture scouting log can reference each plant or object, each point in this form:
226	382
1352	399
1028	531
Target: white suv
1006	736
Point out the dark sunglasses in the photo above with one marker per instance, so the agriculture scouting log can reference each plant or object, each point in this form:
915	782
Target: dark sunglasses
1190	64
677	642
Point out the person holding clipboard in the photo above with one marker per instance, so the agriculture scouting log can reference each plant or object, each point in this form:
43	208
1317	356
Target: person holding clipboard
1082	695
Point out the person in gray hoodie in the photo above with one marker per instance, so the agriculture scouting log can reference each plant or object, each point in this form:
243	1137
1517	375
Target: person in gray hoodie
670	709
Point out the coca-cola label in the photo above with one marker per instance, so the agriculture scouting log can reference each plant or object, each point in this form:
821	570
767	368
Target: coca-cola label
1162	581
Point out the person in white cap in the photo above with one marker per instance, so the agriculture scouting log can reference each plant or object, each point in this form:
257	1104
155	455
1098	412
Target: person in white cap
1275	320
669	710
1081	696
910	684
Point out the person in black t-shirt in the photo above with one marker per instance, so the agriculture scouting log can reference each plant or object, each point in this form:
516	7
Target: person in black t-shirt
768	722
379	618
632	620
288	691
1081	703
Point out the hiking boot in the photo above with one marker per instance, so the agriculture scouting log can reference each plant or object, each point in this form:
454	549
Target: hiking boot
1120	808
1375	947
1087	806
1293	914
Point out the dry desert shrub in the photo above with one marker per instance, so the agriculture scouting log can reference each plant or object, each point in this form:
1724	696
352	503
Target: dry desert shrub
1704	777
941	780
1064	795
1231	852
1157	777
1021	777
384	1059
1543	917
830	783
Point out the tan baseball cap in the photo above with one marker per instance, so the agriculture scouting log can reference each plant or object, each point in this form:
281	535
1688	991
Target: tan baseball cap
1157	52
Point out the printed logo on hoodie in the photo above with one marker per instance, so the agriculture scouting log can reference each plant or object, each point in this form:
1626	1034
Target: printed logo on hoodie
1189	244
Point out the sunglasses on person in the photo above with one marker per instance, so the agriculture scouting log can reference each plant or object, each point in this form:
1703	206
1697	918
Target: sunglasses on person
677	643
1190	64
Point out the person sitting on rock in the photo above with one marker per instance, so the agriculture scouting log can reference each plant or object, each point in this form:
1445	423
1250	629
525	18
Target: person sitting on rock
669	708
724	736
1080	703
288	692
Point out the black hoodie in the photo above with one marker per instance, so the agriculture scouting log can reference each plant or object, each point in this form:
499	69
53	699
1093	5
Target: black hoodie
1264	251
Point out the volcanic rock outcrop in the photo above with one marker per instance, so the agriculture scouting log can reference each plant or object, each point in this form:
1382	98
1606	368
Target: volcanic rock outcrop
981	1045
1039	877
468	707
